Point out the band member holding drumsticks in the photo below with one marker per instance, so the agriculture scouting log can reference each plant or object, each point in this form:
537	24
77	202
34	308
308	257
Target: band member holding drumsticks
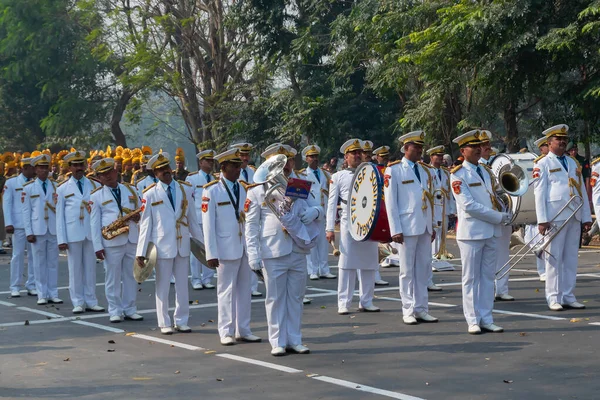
278	244
362	256
168	220
409	206
223	219
558	179
479	227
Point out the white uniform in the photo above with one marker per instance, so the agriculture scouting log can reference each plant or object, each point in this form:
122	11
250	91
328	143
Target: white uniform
595	164
284	262
477	235
73	228
354	255
201	274
144	183
247	175
13	215
553	189
409	207
119	252
169	228
443	182
39	219
318	263
225	241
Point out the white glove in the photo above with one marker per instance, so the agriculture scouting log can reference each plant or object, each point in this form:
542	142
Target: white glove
309	215
256	265
506	217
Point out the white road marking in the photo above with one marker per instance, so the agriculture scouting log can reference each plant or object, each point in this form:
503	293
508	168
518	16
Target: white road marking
363	388
6	303
98	326
529	315
165	341
260	363
45	313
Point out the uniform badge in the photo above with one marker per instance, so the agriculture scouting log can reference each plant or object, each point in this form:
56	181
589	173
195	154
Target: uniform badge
386	180
594	179
247	205
89	206
204	207
536	173
204	198
456	186
22	197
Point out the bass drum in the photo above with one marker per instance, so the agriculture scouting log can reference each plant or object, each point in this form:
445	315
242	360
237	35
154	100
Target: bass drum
366	207
523	207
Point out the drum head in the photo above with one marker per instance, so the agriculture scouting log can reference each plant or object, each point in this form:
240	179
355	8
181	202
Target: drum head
364	201
141	274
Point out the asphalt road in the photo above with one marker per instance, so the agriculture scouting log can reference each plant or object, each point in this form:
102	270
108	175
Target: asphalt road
541	354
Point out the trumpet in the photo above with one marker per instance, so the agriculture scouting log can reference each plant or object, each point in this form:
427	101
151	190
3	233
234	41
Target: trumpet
538	243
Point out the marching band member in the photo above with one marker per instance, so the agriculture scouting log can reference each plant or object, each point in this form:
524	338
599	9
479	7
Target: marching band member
362	256
478	231
531	230
108	204
14	224
558	179
39	219
442	179
74	234
180	173
318	264
201	274
409	206
247	175
595	165
223	224
168	221
280	245
382	155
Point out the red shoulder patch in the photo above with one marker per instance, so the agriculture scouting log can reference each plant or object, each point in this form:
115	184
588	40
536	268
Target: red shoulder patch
386	180
536	173
456	186
247	205
204	207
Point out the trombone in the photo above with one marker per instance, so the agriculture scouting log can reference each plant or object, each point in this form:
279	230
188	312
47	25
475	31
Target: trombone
538	244
442	253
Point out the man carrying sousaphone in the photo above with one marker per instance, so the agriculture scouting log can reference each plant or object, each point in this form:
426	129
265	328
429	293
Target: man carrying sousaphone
558	182
223	220
409	206
168	221
115	213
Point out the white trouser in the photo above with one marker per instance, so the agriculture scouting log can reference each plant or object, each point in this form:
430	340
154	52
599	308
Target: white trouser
82	273
121	286
318	263
165	268
561	264
45	264
503	254
478	268
17	262
415	267
347	282
435	247
285	279
233	296
201	274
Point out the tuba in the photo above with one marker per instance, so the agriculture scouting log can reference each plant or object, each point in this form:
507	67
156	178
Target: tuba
271	173
511	191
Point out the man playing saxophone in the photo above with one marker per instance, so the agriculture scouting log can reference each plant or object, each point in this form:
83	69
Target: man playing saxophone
115	206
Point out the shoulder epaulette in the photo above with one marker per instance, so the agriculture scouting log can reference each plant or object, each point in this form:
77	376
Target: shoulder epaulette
253	185
12	176
185	183
252	167
459	166
301	171
95	190
209	184
424	164
29	183
539	158
596	161
394	163
192	173
149	187
244	184
62	183
576	162
139	180
444	168
487	167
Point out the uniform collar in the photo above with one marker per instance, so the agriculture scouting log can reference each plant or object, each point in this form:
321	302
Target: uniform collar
469	165
228	183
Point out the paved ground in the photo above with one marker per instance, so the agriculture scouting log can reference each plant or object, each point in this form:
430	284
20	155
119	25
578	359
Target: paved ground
541	354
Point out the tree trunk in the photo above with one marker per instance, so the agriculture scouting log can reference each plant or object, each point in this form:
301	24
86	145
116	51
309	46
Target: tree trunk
510	125
117	115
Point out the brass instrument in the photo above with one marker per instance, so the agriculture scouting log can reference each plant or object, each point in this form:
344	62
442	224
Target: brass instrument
538	243
336	251
385	250
120	226
271	173
442	253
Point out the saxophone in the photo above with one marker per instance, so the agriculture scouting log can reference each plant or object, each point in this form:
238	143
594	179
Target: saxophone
120	226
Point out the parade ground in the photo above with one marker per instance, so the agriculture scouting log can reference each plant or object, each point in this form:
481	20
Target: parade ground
49	353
